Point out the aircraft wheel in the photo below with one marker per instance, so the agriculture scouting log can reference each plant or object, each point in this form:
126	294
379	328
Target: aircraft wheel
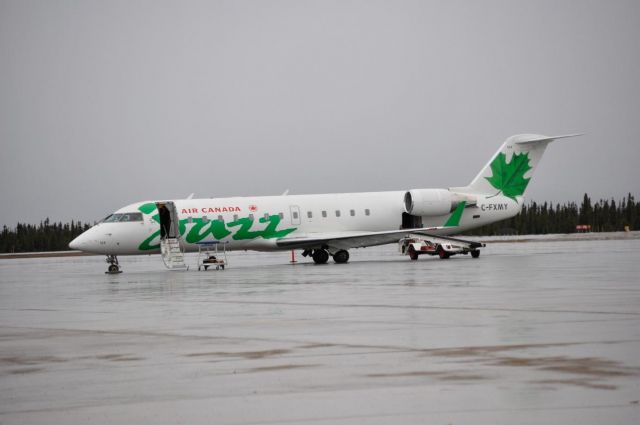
341	256
113	268
442	253
412	253
320	256
475	253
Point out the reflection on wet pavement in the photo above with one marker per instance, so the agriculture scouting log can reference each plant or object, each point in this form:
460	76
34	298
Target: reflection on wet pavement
529	333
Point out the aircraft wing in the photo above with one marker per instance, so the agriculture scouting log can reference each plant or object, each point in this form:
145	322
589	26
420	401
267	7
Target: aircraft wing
346	240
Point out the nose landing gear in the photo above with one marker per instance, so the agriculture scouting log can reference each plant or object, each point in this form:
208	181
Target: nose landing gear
114	266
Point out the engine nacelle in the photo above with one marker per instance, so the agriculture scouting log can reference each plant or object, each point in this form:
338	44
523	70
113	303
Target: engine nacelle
430	202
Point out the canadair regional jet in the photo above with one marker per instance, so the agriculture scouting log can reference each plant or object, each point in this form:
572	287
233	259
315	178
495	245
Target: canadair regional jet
321	225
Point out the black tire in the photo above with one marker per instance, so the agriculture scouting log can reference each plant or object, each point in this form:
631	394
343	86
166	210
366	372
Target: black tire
320	256
413	254
113	268
475	253
341	256
442	253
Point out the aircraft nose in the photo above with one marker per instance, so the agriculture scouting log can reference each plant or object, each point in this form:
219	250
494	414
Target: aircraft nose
78	242
85	241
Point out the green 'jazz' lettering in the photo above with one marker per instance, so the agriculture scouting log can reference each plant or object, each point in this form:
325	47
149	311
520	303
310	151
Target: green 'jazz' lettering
146	245
270	231
216	228
243	232
201	230
147	208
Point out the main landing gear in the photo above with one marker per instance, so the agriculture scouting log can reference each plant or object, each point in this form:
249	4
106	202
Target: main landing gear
321	256
114	266
341	257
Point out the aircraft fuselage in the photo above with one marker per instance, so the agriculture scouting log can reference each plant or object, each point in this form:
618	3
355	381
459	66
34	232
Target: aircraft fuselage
256	223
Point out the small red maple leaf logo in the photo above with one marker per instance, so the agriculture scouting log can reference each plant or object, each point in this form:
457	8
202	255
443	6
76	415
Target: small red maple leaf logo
253	208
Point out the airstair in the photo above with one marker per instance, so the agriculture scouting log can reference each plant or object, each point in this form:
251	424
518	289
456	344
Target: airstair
172	254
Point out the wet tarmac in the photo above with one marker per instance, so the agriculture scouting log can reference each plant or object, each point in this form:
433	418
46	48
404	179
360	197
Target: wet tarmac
531	332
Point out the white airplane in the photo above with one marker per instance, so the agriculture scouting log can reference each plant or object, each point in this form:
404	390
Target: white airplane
321	225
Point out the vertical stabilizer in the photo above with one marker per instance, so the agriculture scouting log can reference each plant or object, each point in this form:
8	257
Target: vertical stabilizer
510	169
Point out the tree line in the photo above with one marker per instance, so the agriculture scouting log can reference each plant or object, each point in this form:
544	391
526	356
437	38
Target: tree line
535	218
605	215
45	236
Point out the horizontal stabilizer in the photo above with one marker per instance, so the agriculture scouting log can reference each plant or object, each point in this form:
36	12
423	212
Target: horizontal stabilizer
538	139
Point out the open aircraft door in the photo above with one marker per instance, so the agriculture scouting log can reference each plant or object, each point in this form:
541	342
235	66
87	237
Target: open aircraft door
169	224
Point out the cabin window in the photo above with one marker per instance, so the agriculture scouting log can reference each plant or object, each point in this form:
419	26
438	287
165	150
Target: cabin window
309	214
295	215
337	213
205	219
353	213
367	212
324	214
235	217
251	217
190	220
476	216
221	218
266	216
281	216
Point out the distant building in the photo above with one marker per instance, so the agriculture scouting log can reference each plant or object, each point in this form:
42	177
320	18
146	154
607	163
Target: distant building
583	228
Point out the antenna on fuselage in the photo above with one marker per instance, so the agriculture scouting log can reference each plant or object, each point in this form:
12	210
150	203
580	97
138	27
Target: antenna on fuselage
190	196
285	193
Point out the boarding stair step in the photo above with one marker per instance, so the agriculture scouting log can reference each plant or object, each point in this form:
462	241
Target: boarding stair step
172	254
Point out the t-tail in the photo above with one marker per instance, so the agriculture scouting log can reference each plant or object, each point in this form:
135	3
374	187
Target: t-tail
509	171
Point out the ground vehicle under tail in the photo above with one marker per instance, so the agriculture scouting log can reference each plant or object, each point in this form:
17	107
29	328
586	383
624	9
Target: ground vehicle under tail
415	245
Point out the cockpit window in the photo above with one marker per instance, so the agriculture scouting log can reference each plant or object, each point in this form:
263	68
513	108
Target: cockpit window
123	217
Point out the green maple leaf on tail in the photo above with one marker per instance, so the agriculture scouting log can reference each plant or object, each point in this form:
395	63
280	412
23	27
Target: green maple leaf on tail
508	178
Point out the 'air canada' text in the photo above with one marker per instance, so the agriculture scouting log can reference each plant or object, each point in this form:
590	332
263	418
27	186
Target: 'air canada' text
209	210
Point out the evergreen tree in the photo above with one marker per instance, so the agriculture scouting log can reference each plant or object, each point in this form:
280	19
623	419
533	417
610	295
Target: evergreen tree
602	216
46	236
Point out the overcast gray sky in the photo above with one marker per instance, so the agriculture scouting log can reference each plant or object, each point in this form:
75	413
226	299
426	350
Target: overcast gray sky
104	103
